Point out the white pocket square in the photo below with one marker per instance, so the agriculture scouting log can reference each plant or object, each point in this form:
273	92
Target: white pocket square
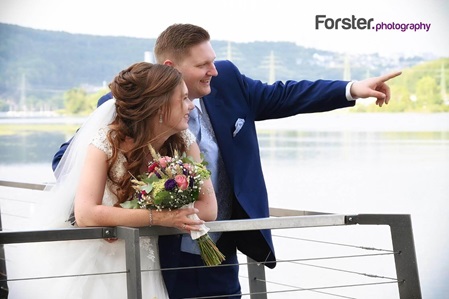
238	126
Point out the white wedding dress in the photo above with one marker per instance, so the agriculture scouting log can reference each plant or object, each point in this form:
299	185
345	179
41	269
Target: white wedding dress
106	261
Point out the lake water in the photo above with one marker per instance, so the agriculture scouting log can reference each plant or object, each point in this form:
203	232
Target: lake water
329	162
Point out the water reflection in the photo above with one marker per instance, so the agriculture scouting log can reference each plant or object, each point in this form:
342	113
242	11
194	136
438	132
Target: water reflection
35	147
328	170
368	172
298	145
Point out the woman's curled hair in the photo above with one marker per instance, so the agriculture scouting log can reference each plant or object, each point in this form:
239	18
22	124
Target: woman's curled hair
140	92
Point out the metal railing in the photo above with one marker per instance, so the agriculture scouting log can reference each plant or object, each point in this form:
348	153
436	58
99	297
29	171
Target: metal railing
400	228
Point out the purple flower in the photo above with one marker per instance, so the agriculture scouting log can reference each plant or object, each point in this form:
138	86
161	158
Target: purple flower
170	184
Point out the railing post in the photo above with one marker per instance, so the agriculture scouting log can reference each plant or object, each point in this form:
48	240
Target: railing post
404	248
132	253
3	275
257	282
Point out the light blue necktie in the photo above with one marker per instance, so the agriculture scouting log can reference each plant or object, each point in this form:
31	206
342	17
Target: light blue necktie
200	126
195	123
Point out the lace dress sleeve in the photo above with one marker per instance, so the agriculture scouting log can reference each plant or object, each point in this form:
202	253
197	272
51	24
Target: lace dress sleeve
101	142
189	138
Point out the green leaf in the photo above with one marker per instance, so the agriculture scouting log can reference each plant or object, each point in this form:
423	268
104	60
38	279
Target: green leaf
162	197
151	179
130	204
187	159
147	188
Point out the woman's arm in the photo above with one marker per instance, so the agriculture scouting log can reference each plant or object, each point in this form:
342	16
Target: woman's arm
207	202
89	210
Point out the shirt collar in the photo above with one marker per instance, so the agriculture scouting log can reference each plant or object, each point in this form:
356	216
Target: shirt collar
197	103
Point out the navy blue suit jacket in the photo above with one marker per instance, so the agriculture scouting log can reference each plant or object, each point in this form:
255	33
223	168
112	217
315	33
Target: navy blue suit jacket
233	96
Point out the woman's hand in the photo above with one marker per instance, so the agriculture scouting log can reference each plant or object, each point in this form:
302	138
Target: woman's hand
177	218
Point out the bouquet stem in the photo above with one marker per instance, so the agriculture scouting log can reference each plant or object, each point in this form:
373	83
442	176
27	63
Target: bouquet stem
210	253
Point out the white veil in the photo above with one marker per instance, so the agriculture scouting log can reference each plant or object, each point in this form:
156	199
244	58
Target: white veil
59	200
82	257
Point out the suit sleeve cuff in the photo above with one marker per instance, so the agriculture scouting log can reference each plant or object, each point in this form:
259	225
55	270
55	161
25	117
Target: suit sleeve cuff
348	92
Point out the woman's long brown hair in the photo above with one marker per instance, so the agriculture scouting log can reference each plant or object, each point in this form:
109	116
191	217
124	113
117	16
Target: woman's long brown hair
140	92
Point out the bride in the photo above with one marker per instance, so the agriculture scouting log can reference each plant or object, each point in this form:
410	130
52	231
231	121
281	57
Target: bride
150	106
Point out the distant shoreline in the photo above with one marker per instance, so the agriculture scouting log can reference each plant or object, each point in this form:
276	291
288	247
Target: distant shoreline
360	122
326	121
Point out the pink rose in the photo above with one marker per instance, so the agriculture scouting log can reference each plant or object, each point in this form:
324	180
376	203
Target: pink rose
163	161
182	182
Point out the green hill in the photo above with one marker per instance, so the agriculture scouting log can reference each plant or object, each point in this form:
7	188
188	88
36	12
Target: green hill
421	88
37	67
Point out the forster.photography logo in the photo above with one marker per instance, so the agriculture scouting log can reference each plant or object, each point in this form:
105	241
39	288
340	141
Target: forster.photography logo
322	22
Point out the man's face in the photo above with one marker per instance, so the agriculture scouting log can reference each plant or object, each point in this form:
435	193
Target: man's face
198	69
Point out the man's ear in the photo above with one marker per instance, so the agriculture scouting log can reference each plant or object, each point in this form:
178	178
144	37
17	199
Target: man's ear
169	63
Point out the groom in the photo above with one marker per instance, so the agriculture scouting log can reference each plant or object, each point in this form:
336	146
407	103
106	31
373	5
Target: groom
228	104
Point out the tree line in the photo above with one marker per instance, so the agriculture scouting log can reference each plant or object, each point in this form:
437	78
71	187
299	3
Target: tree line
422	88
58	71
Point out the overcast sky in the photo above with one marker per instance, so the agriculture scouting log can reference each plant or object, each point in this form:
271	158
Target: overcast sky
247	20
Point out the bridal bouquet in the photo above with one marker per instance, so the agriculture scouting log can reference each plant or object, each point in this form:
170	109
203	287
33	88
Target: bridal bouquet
173	183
